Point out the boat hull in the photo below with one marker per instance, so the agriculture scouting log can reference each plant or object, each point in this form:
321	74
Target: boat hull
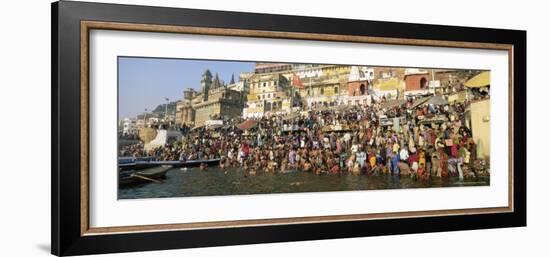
140	165
126	179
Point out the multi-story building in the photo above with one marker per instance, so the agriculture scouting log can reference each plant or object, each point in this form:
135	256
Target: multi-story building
306	71
216	101
321	90
185	114
241	86
388	82
129	127
360	81
416	81
430	81
267	93
268	67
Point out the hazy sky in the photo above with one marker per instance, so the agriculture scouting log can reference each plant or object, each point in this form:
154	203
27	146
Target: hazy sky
145	82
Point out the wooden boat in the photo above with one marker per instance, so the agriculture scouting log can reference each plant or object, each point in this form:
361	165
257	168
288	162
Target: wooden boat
129	178
197	163
140	165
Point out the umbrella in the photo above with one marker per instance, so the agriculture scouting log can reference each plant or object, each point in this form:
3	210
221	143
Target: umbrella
197	127
420	101
215	126
291	116
392	103
436	100
248	124
480	80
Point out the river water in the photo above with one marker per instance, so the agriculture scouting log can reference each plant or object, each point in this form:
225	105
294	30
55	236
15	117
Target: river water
215	182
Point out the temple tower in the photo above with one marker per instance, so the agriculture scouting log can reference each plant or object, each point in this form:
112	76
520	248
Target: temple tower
206	82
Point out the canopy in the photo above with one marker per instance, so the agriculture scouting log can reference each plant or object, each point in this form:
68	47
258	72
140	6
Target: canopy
420	101
248	124
480	80
343	107
291	116
198	127
214	126
392	103
436	100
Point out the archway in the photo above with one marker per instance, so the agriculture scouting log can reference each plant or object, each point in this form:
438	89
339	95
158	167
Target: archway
423	83
362	89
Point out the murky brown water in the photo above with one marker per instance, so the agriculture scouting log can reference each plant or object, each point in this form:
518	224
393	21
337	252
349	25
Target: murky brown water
214	182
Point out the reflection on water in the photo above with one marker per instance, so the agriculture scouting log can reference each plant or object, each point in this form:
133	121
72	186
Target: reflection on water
193	182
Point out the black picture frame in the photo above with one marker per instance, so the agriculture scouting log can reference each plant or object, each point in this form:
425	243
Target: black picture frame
66	234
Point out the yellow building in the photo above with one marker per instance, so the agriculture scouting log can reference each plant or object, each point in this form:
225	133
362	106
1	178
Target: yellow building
222	103
185	114
305	71
267	93
324	90
214	101
480	113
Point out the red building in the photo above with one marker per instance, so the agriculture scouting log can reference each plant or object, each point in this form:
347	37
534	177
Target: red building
417	81
356	88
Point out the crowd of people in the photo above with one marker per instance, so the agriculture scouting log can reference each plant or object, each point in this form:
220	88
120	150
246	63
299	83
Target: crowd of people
419	141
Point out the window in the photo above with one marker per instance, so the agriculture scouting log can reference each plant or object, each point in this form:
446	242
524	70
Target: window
336	90
322	91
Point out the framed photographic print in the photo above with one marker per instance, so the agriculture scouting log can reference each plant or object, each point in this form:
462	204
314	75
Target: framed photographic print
178	128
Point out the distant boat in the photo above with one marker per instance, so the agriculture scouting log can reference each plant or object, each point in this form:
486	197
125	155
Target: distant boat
129	178
139	164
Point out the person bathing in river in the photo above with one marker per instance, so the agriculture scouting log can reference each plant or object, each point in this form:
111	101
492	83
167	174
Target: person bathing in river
350	162
306	166
361	156
284	165
356	170
292	158
222	163
271	166
372	162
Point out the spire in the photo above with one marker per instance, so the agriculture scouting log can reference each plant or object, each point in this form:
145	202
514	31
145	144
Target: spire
232	79
217	83
207	75
205	83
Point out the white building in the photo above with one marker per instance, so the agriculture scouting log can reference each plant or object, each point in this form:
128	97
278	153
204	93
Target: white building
361	73
240	86
129	127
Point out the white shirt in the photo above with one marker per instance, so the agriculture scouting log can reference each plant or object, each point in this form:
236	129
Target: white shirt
404	154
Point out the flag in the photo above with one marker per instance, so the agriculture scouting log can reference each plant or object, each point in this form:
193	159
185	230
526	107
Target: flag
296	82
